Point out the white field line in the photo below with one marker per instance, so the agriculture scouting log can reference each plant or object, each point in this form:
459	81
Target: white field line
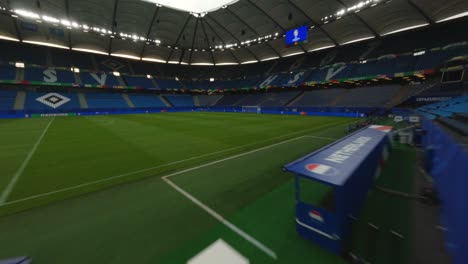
162	165
9	188
221	219
231	157
327	138
127	174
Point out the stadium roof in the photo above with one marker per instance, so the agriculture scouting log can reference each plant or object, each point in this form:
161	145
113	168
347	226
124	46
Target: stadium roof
236	32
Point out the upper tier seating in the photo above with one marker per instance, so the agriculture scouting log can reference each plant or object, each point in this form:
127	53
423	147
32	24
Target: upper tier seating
7	99
139	81
166	84
99	78
7	72
48	75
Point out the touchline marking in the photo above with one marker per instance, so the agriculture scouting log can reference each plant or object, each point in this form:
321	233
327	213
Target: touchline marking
168	164
221	219
19	172
229	158
322	137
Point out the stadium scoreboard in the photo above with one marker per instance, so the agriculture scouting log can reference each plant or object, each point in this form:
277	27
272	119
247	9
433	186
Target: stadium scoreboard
296	36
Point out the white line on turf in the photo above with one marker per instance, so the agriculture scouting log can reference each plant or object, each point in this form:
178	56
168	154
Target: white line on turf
127	174
322	137
159	166
220	218
9	188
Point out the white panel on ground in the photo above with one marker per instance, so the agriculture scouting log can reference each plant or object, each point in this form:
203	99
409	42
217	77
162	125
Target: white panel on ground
218	252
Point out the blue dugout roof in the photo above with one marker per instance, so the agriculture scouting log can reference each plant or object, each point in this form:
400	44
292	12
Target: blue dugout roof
335	163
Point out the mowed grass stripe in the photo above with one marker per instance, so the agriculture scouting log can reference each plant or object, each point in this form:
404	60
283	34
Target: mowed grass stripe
95	149
176	162
143	221
6	192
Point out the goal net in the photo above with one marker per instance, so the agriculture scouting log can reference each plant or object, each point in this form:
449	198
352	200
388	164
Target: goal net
252	109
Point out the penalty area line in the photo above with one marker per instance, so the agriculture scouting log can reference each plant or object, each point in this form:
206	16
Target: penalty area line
223	220
19	172
176	162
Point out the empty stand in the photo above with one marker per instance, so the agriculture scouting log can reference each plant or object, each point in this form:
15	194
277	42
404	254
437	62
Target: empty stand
7	100
7	72
139	81
106	100
180	100
369	96
146	101
318	98
208	100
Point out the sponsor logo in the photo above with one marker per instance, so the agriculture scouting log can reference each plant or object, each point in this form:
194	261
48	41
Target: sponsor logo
382	128
347	151
316	215
53	100
321	169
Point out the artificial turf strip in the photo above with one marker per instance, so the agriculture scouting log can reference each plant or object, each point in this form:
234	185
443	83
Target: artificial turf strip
143	221
388	212
80	150
271	220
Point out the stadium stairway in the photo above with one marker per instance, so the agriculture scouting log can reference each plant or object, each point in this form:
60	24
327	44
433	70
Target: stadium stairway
165	101
19	74
399	97
77	77
155	84
339	97
19	100
196	101
295	99
82	100
127	99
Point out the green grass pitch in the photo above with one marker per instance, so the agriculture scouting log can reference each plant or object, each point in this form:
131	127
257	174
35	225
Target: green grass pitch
93	192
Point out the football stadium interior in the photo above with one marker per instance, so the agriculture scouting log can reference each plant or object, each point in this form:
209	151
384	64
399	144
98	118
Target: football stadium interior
235	131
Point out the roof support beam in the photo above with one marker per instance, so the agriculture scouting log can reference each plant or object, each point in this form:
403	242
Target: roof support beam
116	3
315	24
232	35
208	40
251	29
272	19
371	29
193	41
150	28
67	12
222	41
178	37
267	15
15	22
421	12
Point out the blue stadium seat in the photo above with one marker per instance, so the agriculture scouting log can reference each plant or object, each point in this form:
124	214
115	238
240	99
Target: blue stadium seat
7	72
106	101
7	100
139	81
146	101
105	79
48	75
180	100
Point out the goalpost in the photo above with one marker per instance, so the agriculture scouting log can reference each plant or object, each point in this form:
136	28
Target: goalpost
251	109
